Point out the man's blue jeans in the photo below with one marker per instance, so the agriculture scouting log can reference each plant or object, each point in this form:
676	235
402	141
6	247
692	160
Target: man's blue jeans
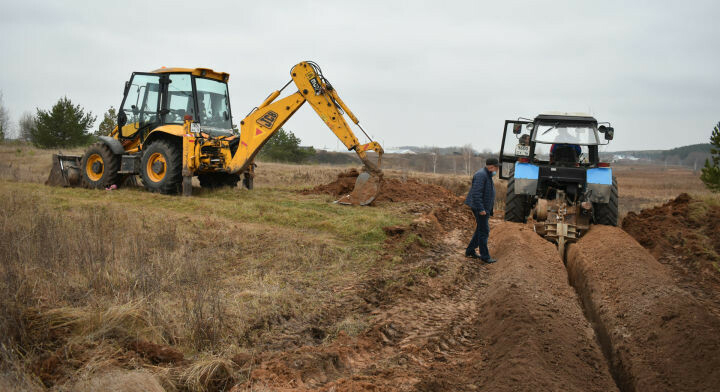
480	238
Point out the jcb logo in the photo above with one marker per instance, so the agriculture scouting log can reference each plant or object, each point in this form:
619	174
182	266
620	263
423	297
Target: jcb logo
316	86
268	119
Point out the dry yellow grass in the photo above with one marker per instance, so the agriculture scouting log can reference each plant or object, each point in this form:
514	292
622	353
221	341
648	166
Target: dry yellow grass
84	272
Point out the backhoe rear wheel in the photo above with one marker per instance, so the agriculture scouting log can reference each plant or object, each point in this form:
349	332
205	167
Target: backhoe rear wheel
607	213
218	180
99	167
161	167
517	207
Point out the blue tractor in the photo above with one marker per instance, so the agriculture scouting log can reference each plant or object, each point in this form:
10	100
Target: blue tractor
555	175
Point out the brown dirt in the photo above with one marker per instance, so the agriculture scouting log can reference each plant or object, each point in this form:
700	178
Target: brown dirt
156	353
683	234
391	189
469	326
657	336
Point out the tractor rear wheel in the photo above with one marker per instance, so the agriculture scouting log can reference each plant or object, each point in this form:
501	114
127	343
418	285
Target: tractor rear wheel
517	207
607	213
99	167
218	180
161	167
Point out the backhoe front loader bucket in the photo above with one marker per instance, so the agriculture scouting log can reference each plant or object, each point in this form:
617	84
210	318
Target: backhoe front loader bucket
65	171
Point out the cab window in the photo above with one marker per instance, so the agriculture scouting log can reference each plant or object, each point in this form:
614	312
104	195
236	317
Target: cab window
213	103
180	99
141	103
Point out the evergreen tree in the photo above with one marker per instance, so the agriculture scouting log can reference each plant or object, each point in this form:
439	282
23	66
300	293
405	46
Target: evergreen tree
284	146
108	123
65	125
711	172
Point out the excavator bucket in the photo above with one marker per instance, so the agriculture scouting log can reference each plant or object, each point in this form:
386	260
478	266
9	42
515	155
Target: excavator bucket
366	189
65	171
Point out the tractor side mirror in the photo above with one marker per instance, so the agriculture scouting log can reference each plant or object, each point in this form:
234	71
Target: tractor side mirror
517	128
127	87
121	119
609	133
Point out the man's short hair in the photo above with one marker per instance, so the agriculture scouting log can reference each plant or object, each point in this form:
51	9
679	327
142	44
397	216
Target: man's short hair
491	162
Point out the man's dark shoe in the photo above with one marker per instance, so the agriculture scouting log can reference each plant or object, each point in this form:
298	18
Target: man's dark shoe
489	260
472	255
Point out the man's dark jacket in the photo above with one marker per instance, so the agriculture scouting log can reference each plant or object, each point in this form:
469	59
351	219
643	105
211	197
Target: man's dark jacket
482	192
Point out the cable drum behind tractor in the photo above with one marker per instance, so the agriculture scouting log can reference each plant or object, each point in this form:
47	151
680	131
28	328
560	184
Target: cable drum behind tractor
554	173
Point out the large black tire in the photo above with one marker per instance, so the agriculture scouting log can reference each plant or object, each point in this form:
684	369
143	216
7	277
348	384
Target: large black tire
607	213
99	167
517	207
161	167
218	180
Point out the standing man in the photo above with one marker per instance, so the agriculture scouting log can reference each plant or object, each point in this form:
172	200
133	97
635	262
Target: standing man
481	199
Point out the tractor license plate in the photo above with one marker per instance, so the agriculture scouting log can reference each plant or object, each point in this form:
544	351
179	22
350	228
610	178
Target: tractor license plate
522	151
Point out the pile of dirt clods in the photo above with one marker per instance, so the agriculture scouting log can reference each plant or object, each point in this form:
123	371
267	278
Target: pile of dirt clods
684	233
391	189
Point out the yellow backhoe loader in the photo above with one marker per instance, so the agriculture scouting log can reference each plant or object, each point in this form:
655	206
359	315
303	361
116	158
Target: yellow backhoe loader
175	123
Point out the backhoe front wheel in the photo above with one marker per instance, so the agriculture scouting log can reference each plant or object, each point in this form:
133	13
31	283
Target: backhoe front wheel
99	167
161	167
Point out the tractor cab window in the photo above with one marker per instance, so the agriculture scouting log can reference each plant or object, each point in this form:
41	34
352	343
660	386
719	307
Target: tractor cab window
180	99
557	133
141	103
213	104
564	143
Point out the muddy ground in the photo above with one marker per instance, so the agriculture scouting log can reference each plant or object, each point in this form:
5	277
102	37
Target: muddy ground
614	319
633	310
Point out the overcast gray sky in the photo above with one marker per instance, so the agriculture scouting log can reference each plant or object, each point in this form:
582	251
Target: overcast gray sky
415	72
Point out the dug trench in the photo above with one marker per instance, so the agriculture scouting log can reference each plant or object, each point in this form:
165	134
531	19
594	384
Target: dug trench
620	324
512	326
656	336
515	325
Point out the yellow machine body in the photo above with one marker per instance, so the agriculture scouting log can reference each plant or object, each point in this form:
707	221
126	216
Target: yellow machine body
220	156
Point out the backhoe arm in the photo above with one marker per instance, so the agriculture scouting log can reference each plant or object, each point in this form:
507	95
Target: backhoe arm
262	123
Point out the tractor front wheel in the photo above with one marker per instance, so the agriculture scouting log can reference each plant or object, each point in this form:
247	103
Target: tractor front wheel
99	167
161	167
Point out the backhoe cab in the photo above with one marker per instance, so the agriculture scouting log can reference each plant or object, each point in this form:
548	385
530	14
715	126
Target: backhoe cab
176	123
554	173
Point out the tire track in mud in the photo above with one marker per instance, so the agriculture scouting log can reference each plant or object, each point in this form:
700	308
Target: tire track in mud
656	336
512	326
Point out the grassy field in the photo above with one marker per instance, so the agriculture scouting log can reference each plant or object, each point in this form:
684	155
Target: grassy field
88	275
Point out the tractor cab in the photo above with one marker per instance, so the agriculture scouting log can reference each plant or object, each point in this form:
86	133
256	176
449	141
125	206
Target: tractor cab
555	139
167	96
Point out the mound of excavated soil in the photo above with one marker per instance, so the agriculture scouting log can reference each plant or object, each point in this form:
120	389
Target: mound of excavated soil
391	189
658	337
684	234
683	231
